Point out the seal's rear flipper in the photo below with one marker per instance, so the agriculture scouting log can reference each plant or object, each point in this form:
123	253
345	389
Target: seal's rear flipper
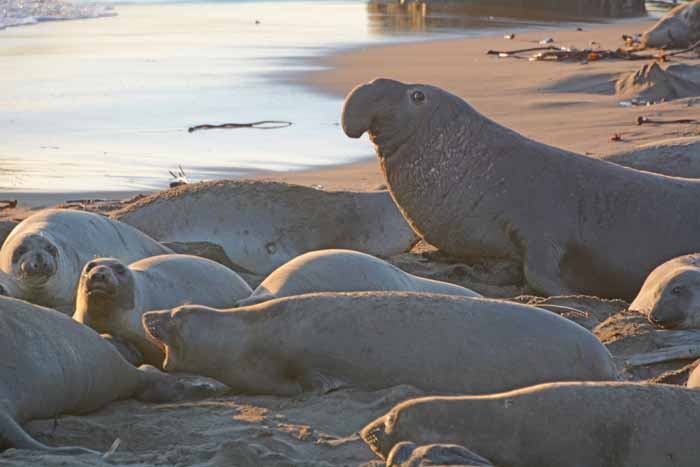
13	436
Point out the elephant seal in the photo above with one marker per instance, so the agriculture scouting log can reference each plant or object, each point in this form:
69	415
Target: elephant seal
617	425
112	297
262	225
676	157
46	252
53	365
679	28
344	271
407	454
670	297
473	188
376	340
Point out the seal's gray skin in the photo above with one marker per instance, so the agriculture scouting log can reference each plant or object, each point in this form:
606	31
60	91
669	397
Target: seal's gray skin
407	454
439	343
476	189
670	297
554	425
344	271
262	225
679	28
52	365
46	252
112	297
694	379
676	157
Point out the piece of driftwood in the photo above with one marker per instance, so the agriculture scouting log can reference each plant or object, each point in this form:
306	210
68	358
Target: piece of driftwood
646	120
683	352
676	338
8	203
261	125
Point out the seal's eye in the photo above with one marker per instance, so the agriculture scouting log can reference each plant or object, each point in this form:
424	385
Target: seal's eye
677	290
418	97
52	250
90	266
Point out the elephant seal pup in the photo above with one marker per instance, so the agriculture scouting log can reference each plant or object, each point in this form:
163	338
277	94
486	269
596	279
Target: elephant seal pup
617	425
344	271
679	28
262	225
46	252
670	297
374	340
407	454
676	157
53	365
112	297
473	188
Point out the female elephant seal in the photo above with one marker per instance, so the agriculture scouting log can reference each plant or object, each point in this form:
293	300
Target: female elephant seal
262	225
679	28
555	425
670	297
46	252
112	297
476	189
344	271
377	340
52	365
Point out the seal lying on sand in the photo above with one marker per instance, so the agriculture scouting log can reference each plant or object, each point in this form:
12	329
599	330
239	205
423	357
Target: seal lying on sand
112	297
344	271
407	454
378	340
677	157
679	28
262	225
670	297
616	425
476	189
46	252
52	365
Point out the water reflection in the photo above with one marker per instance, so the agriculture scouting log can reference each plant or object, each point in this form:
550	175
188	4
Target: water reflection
391	16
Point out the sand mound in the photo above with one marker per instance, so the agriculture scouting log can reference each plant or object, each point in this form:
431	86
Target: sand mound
652	83
677	157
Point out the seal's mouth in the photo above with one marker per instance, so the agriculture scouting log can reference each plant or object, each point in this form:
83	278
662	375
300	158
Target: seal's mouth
95	287
161	331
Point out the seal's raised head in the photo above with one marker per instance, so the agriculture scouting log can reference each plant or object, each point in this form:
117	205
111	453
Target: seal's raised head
673	302
35	259
171	330
105	290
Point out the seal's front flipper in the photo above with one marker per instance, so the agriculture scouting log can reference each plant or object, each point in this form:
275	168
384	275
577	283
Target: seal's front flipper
163	387
13	436
541	267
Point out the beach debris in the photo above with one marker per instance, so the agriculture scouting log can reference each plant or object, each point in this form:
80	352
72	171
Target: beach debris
636	102
641	120
616	137
180	178
510	37
547	40
8	204
261	125
112	449
683	352
631	41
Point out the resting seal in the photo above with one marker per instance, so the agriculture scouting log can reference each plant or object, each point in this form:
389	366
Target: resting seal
679	28
344	271
407	454
52	365
555	425
670	297
262	225
677	157
112	297
473	188
377	340
46	252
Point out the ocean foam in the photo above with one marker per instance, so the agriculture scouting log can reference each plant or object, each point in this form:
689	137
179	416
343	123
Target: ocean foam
24	12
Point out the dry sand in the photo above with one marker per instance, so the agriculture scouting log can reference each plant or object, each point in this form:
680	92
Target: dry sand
536	99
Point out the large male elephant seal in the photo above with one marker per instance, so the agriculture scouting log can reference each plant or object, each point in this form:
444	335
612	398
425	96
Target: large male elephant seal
46	252
616	425
112	297
679	28
52	365
670	297
262	225
476	189
375	340
344	271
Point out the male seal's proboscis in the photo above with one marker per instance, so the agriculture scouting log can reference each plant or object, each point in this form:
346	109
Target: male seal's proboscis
112	297
576	424
375	340
476	189
46	252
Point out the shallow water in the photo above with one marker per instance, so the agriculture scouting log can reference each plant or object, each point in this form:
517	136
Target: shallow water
104	104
